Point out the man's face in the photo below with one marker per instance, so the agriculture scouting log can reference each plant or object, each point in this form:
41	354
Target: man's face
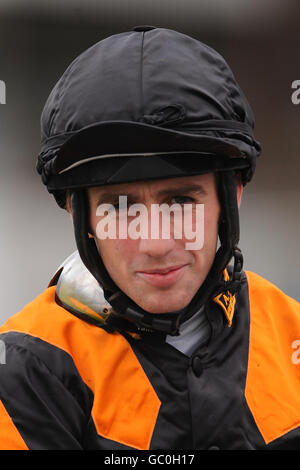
160	275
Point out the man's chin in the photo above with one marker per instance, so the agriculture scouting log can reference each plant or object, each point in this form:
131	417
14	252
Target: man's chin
163	307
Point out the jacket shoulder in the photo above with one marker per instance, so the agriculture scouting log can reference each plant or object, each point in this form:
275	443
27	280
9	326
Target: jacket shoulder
267	294
45	319
273	377
104	362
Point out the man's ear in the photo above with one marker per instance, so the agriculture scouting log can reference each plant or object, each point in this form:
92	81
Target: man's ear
69	209
239	188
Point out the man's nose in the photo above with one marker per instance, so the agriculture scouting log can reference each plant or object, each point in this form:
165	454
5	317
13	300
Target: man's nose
159	239
156	248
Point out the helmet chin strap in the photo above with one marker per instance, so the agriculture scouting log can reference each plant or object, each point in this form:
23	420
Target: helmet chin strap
124	308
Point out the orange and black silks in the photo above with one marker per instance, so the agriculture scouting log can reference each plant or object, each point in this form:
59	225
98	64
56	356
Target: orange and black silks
69	384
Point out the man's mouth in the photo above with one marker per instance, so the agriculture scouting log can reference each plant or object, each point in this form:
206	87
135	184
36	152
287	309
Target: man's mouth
163	277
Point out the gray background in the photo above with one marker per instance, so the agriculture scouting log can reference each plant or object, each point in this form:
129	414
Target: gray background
259	39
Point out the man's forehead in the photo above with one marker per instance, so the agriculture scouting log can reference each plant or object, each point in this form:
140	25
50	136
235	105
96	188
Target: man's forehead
194	183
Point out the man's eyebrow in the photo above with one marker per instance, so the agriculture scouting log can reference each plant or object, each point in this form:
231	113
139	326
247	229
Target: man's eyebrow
179	189
183	189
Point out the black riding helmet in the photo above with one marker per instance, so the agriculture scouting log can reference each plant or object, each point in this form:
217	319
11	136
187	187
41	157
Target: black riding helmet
146	104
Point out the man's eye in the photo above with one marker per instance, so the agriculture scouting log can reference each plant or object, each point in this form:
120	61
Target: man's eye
182	200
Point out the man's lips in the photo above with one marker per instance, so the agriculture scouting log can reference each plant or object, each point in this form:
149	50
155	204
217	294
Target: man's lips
163	277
